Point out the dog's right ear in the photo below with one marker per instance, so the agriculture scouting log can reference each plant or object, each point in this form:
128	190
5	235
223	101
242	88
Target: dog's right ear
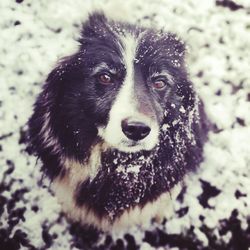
96	26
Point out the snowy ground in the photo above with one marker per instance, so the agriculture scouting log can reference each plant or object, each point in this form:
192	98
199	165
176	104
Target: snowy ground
214	210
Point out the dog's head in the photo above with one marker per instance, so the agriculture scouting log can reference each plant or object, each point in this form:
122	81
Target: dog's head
117	88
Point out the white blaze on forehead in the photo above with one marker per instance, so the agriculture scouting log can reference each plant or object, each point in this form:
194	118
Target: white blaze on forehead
125	105
125	101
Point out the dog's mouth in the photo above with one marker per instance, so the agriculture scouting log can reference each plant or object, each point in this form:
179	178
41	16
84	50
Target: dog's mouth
130	146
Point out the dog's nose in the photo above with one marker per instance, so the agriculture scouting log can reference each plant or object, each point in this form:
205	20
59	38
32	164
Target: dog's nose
135	130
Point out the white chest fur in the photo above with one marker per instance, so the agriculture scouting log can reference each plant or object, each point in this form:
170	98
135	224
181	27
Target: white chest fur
65	187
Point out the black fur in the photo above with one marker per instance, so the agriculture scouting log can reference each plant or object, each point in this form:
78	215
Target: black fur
77	104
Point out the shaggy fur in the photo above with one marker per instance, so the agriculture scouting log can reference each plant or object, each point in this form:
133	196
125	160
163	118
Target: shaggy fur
98	173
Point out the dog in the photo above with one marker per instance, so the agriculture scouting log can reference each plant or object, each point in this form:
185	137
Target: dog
118	124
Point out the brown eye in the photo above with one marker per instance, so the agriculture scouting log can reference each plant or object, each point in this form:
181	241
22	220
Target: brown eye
105	79
159	84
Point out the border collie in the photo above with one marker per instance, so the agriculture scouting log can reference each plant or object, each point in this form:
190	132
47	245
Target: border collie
118	124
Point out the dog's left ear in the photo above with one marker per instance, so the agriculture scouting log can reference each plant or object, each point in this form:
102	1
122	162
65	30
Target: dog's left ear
175	46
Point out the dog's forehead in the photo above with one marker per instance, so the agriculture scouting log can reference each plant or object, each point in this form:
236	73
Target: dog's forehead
147	47
122	45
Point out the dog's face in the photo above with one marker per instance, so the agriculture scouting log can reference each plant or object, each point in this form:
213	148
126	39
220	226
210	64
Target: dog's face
118	86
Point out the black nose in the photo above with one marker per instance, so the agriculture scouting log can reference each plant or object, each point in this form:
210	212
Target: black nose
135	130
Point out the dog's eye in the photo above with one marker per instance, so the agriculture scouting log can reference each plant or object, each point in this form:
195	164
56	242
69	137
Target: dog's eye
105	79
159	84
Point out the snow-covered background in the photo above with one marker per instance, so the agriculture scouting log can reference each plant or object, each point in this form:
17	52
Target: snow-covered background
213	211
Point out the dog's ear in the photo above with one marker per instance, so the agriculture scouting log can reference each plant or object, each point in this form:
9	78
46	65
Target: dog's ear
96	26
175	46
43	141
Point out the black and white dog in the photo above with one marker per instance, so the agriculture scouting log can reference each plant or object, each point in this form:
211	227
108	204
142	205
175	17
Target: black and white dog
118	124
